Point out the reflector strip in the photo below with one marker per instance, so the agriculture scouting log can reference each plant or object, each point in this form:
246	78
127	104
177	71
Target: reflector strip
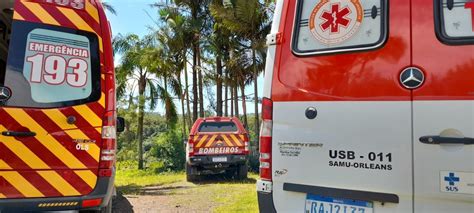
20	150
21	184
59	183
203	139
4	165
44	16
236	140
227	141
59	119
92	11
17	16
46	139
2	196
89	177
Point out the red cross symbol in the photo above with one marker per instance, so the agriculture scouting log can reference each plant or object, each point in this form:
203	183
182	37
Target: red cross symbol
335	18
470	5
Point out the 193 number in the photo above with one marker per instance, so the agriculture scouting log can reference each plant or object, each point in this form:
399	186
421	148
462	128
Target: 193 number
52	70
76	4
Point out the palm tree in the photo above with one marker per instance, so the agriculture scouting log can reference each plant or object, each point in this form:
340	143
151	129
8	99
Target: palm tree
139	65
250	20
107	6
197	10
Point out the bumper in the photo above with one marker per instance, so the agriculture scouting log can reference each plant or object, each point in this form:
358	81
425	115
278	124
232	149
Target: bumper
104	190
265	202
207	161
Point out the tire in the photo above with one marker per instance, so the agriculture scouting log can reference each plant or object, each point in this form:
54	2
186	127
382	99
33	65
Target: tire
190	177
242	172
109	207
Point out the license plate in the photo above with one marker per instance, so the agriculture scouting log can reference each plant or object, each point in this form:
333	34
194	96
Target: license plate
219	159
320	204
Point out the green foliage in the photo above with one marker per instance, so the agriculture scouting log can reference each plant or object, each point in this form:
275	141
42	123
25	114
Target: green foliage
169	150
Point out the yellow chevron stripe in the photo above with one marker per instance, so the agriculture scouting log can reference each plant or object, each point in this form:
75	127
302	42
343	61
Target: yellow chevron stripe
4	165
89	115
203	139
46	139
17	16
92	11
79	23
21	184
102	100
89	177
41	13
236	140
21	151
60	119
227	141
59	183
242	137
211	141
2	196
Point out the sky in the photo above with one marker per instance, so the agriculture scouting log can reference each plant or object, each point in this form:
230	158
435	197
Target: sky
136	16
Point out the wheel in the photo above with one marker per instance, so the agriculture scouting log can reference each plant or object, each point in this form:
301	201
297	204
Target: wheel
242	172
190	176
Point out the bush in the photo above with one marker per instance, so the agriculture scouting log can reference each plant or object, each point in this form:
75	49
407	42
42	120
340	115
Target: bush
168	150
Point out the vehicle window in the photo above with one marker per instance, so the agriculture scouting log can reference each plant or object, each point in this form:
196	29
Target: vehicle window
456	19
324	26
52	66
218	127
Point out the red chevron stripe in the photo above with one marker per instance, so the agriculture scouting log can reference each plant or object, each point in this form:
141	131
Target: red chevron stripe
58	16
11	159
77	182
33	144
82	122
26	13
56	131
97	109
8	190
40	183
91	21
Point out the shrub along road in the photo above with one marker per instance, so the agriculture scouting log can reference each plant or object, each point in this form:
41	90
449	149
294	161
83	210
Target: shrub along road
140	191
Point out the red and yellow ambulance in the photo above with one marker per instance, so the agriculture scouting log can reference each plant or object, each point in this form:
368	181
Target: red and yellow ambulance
369	107
57	106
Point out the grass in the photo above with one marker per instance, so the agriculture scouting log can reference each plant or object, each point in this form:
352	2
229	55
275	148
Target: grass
219	194
131	181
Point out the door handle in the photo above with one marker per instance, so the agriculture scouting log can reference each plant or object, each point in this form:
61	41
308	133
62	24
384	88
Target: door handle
18	134
446	140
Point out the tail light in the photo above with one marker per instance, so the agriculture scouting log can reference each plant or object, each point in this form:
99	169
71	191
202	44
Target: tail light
247	144
266	140
108	149
190	146
91	203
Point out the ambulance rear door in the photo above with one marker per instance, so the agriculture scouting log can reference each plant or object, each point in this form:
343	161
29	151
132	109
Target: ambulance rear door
342	136
443	106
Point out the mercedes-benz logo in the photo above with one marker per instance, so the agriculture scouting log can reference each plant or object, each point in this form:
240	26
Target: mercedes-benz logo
5	94
412	78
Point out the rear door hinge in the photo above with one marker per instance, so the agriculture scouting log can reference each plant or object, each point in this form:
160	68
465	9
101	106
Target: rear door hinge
274	38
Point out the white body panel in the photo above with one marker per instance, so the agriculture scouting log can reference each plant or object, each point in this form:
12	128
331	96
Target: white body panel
433	161
361	127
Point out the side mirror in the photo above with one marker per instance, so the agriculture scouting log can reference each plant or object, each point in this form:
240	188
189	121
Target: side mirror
120	124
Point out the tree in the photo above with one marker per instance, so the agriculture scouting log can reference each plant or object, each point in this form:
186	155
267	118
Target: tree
249	19
107	6
139	64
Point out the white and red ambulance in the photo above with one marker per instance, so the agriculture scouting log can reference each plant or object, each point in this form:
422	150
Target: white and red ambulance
369	107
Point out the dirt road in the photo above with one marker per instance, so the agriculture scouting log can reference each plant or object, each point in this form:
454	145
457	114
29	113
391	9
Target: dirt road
216	194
